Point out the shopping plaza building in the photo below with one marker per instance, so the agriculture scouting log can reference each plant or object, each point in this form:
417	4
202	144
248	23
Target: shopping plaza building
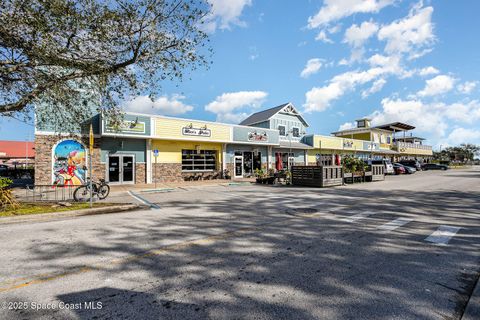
147	148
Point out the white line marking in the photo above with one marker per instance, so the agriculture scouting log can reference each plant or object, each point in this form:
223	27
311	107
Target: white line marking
442	235
394	224
142	200
357	217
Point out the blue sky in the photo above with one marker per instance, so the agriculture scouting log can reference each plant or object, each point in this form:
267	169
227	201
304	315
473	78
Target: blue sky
336	61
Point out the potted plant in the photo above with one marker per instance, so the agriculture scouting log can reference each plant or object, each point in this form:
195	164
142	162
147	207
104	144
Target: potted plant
259	175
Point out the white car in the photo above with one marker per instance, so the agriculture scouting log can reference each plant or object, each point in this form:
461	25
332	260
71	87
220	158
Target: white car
388	167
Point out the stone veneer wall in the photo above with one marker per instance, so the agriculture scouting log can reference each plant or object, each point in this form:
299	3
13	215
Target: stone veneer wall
140	173
43	157
167	172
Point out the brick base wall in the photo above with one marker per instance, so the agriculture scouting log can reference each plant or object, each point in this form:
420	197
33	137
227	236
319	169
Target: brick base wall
44	145
140	173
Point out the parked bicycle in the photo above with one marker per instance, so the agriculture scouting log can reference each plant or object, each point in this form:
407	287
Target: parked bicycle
99	189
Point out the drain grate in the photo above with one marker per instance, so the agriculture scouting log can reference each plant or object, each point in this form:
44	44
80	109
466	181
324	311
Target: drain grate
302	211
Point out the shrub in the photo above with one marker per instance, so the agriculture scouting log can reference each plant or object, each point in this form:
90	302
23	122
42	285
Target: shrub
7	199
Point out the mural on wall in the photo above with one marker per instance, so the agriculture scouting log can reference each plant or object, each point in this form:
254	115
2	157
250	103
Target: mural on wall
68	163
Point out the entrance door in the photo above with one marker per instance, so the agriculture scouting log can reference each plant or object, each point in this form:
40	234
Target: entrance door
127	162
257	161
114	169
238	163
121	169
247	163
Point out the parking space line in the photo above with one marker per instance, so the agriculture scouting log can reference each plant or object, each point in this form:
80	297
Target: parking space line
144	201
442	235
394	224
357	217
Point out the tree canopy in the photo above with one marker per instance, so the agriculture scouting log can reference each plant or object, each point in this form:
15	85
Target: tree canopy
68	55
463	153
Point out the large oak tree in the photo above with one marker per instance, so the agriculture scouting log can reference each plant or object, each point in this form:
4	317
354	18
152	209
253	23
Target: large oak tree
67	55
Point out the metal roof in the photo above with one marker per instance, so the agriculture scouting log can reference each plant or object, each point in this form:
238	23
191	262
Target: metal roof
396	126
262	115
267	114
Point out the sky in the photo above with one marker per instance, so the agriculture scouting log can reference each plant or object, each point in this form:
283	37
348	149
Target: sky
336	60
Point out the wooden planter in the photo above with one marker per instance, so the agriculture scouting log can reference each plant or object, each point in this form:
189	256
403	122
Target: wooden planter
317	176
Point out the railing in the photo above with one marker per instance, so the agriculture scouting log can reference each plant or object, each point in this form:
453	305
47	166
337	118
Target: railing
400	145
48	193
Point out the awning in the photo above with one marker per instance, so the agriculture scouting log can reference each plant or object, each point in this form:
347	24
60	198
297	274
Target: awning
386	151
294	145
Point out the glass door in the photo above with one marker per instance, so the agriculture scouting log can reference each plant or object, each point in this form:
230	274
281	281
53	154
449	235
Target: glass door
238	162
247	163
127	163
114	169
121	169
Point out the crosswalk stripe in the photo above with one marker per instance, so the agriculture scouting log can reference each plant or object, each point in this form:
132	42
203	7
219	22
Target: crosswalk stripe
356	217
442	235
394	224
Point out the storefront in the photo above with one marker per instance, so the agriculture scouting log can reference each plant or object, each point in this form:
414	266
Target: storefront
250	150
124	147
184	149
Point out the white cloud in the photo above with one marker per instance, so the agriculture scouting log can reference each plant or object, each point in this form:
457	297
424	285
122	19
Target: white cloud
376	86
463	135
322	36
433	119
438	85
467	87
312	67
224	14
410	34
320	98
162	105
428	71
346	126
356	36
232	106
333	10
414	112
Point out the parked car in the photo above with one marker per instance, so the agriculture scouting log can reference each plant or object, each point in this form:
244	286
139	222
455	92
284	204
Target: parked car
411	163
387	164
3	170
434	166
399	169
408	170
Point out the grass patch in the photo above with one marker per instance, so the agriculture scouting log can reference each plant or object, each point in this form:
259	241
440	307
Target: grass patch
39	208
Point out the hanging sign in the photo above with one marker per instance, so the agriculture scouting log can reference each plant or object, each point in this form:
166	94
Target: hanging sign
199	132
258	137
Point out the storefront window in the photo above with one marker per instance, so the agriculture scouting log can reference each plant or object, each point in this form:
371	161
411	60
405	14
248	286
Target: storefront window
205	160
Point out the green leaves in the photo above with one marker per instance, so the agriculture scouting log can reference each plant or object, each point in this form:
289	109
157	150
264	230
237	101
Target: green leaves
69	57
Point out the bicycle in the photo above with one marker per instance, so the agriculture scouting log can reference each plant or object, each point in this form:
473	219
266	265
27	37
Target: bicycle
99	189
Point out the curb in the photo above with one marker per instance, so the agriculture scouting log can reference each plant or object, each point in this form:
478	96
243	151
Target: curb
472	310
69	214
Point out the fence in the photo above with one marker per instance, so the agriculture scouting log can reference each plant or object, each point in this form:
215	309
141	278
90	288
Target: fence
317	176
48	193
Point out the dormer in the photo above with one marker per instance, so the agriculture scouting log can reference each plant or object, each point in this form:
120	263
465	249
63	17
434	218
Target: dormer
363	123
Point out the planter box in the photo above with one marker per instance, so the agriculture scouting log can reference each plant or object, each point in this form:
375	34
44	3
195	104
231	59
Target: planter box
317	176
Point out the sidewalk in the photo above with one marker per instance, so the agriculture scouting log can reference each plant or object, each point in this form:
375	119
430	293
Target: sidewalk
175	185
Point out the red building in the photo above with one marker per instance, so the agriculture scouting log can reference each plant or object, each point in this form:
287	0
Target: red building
15	153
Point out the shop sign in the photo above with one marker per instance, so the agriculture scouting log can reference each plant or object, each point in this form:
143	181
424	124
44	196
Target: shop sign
126	126
347	144
198	132
258	137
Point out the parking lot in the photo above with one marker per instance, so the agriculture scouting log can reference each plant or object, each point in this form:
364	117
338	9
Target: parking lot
405	248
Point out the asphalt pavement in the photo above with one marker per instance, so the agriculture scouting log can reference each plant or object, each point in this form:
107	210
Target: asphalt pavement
405	248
